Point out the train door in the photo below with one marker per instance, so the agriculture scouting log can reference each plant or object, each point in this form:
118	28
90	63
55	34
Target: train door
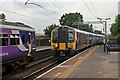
62	38
78	42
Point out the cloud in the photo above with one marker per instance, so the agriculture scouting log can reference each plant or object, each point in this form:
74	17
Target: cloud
42	17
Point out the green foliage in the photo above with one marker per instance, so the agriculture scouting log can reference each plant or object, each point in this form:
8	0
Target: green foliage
86	27
97	32
48	29
91	28
115	29
118	39
71	19
75	20
2	16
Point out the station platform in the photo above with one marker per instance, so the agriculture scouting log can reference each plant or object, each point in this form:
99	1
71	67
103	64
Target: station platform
98	65
39	48
91	64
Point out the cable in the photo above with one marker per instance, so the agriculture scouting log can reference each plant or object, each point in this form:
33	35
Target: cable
93	7
61	9
61	6
38	11
23	15
89	9
42	7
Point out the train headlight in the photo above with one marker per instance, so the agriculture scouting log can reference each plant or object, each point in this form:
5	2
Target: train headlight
55	45
70	45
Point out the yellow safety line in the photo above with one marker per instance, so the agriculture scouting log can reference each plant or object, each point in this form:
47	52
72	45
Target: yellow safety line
73	67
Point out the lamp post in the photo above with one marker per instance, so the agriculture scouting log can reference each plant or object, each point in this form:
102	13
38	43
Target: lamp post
105	39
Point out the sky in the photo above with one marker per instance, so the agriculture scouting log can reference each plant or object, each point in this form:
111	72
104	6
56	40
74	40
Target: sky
51	11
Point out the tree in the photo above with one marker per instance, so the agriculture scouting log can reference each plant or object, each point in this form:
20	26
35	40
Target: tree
75	20
97	32
91	28
71	19
84	27
48	29
115	29
2	16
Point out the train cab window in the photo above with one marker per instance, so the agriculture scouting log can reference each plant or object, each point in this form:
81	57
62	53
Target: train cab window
3	39
33	38
14	39
55	36
70	36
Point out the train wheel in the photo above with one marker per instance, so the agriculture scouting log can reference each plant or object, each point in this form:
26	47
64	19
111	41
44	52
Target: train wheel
4	69
29	59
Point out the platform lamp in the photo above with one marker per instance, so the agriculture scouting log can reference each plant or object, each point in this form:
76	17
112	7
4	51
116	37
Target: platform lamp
105	35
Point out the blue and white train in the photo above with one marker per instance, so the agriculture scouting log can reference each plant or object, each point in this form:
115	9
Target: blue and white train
66	41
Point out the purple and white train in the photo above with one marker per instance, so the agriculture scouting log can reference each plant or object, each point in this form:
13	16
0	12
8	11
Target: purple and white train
17	44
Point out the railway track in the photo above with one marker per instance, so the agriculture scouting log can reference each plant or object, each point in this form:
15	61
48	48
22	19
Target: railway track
37	64
30	68
34	69
40	71
35	74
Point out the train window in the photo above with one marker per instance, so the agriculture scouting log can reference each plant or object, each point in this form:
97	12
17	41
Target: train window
3	39
55	36
33	38
23	38
84	39
3	35
70	36
14	39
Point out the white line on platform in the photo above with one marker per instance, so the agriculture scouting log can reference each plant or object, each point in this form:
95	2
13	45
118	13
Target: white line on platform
42	49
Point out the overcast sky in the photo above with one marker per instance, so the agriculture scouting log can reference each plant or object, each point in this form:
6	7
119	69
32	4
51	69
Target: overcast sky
52	10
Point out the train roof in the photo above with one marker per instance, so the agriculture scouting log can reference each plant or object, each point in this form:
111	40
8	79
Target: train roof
82	31
16	25
100	35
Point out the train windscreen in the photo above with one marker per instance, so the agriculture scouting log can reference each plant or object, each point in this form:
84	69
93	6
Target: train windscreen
62	34
70	35
55	36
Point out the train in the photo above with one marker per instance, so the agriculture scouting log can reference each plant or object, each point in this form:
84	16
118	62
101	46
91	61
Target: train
17	44
68	41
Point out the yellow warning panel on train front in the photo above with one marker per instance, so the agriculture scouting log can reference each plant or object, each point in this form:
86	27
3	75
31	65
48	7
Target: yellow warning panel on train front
62	46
